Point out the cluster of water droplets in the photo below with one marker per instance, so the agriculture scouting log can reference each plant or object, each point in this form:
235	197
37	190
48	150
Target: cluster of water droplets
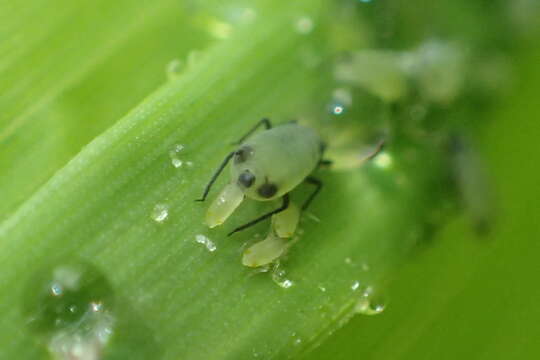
204	240
175	154
297	340
369	303
176	67
70	307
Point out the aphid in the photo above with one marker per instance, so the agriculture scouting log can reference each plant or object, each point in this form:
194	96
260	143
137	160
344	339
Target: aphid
267	166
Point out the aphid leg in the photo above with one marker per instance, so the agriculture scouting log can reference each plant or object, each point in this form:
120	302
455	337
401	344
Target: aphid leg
284	206
375	152
215	176
323	162
264	121
318	185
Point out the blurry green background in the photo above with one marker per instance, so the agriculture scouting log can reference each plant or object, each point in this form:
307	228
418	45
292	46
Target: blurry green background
461	293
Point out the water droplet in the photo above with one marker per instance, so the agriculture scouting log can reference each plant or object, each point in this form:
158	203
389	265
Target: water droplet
322	288
177	162
365	266
369	303
173	154
201	239
160	213
304	25
348	261
96	306
297	340
355	286
70	308
365	306
365	1
383	160
337	108
56	289
174	69
286	284
278	276
178	147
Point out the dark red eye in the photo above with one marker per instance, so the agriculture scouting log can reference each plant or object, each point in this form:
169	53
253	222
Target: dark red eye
267	190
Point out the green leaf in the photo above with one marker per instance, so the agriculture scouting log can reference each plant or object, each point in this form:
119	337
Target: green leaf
172	297
69	73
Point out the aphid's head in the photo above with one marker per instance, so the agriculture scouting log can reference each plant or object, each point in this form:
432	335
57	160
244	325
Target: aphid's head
250	177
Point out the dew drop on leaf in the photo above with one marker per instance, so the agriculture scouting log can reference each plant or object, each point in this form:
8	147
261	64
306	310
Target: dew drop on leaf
70	309
160	213
173	154
383	160
209	244
370	303
279	277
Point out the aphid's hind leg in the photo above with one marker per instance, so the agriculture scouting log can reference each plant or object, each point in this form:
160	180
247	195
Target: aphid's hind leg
323	162
318	185
215	176
264	121
284	206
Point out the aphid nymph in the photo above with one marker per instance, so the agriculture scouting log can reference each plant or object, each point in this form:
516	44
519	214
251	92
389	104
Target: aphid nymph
266	166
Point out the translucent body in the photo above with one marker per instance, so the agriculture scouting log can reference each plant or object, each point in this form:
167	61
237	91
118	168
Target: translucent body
283	156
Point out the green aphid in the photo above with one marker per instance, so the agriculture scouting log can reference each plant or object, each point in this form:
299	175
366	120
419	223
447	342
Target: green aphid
265	167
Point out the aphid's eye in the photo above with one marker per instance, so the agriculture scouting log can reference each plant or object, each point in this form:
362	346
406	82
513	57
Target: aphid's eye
267	190
242	154
246	179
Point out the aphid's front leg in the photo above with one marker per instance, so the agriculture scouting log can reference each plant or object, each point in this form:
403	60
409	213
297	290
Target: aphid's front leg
284	206
264	121
318	185
215	176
